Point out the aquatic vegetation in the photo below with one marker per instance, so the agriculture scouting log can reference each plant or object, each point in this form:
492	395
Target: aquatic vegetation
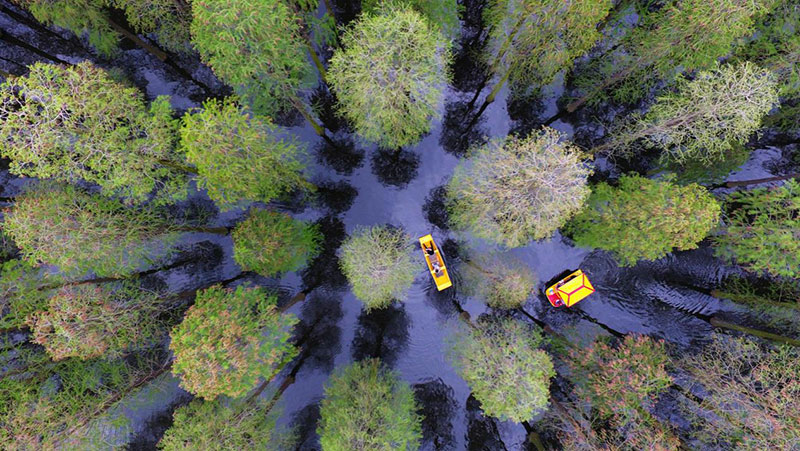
645	219
377	262
230	340
501	363
516	190
366	406
499	279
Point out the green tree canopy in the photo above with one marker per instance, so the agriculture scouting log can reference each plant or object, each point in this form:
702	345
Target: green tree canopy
507	373
268	243
237	155
443	13
229	340
762	230
368	407
530	41
752	392
239	425
76	231
518	189
499	279
257	47
90	320
644	219
621	384
703	119
390	76
377	262
77	123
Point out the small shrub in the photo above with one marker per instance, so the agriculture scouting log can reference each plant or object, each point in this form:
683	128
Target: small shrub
506	372
500	280
239	425
268	243
377	262
22	292
229	340
645	219
368	407
88	320
512	191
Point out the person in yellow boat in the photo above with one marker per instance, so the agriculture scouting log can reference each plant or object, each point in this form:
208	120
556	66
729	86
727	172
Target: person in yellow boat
429	249
437	269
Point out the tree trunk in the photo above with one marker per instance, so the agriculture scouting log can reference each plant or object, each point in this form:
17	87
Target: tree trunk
757	181
19	43
153	50
716	322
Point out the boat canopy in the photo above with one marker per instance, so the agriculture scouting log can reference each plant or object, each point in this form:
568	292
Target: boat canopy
575	289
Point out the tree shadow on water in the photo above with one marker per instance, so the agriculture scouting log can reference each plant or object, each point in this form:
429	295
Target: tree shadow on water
342	156
482	432
319	329
324	270
435	207
382	334
460	130
337	197
523	109
395	167
305	423
437	406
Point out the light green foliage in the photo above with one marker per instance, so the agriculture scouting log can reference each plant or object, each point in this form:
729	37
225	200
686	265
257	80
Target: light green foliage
753	394
64	226
268	243
239	425
77	123
506	372
390	76
367	407
499	279
644	219
229	340
168	19
21	292
705	118
762	231
237	156
377	262
530	41
90	320
684	35
621	384
515	190
443	13
46	407
256	46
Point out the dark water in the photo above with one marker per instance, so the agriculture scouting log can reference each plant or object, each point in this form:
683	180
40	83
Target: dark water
361	185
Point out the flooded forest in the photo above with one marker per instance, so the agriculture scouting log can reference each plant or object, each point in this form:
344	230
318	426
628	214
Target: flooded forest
400	225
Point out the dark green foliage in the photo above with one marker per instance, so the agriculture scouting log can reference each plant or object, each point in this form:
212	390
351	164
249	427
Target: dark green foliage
762	230
90	320
226	424
237	156
229	340
443	13
517	190
644	219
78	123
532	40
506	372
78	232
390	76
168	19
268	243
377	262
367	407
257	47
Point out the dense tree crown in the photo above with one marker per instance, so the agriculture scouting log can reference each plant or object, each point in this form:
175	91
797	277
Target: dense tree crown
368	407
703	119
237	155
377	262
229	340
238	425
500	280
390	76
442	13
257	47
512	191
761	230
506	372
268	243
90	320
77	123
683	35
644	219
532	40
67	227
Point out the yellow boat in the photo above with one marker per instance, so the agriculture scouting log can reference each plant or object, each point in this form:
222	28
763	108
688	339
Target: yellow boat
569	290
435	261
